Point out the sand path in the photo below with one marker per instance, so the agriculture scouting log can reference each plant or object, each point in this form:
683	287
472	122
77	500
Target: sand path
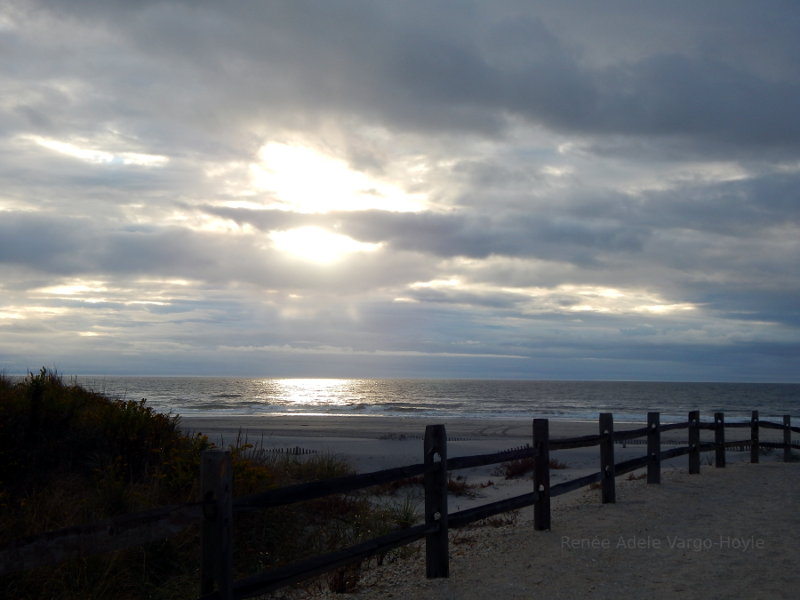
726	533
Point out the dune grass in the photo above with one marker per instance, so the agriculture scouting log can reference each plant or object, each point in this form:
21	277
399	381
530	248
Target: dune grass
522	466
70	456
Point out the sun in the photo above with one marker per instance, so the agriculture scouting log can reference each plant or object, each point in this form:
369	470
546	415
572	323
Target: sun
303	179
318	245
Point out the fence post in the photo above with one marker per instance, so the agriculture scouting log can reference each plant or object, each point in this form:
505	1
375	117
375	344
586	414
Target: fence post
437	562
694	442
719	440
787	438
754	437
216	479
541	474
607	457
653	447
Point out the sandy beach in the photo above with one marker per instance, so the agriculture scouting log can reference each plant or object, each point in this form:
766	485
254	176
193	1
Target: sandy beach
373	443
726	533
685	536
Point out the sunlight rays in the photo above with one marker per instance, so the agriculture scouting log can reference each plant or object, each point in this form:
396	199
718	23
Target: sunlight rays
317	245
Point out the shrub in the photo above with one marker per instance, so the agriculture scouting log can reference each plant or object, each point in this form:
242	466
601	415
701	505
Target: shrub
460	487
69	456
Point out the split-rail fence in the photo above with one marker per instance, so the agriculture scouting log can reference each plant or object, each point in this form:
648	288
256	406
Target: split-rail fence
217	508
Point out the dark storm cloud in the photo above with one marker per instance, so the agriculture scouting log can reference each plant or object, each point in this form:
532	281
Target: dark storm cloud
672	95
473	236
734	208
423	65
44	243
71	246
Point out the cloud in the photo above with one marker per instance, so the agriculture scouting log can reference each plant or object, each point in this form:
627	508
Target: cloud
605	193
423	67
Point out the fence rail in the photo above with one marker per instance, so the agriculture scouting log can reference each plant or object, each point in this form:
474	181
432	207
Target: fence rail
216	511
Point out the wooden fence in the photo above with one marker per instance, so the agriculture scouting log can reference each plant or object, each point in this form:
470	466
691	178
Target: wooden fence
217	508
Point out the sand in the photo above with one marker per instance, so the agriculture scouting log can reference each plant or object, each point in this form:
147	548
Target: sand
724	533
373	443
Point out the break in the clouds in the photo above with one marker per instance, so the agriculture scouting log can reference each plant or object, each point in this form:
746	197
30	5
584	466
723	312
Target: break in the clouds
440	188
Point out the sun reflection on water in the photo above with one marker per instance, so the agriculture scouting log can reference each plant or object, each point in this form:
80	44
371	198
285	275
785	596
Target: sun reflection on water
305	392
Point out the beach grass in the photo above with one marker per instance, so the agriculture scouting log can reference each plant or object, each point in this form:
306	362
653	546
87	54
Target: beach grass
518	467
70	456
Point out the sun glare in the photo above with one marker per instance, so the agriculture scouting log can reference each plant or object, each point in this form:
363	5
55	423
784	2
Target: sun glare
305	180
306	395
318	245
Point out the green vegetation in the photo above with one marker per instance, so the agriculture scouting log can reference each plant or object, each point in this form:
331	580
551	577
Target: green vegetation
69	456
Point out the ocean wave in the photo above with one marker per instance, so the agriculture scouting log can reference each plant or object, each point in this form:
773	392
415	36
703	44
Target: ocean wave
627	401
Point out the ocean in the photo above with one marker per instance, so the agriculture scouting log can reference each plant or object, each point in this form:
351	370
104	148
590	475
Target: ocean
430	399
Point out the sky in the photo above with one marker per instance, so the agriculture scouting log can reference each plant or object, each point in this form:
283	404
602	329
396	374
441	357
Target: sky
531	189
